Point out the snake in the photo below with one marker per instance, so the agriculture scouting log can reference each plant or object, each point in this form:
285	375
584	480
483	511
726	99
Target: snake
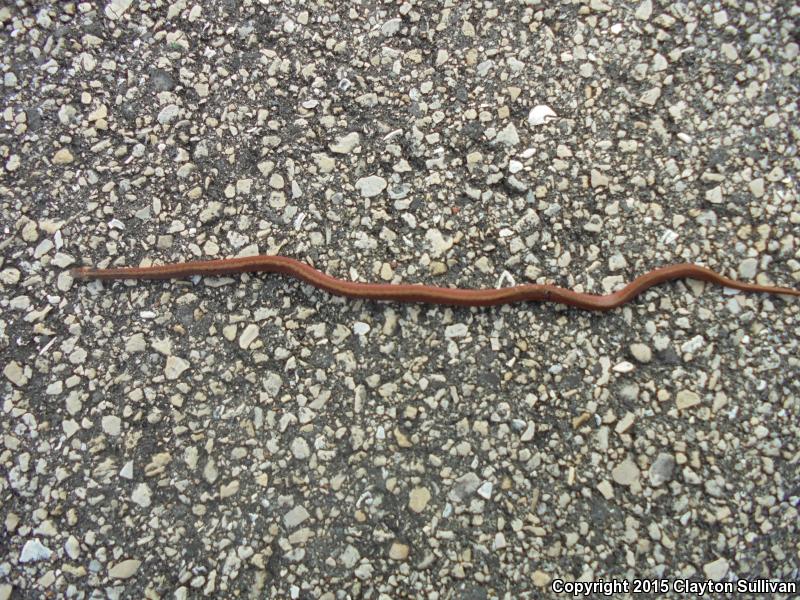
428	294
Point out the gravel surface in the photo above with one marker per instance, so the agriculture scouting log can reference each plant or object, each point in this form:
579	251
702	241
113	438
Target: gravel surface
255	437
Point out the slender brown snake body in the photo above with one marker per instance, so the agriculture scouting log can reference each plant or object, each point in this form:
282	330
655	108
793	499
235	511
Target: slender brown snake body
427	294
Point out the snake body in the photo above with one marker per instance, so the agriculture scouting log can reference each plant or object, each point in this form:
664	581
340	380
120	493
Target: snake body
427	294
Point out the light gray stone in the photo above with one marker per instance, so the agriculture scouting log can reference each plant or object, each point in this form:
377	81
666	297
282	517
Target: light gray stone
418	499
168	113
112	424
464	487
748	268
626	473
141	495
508	136
34	551
300	448
371	186
295	517
641	352
175	367
644	11
116	8
124	569
716	569
346	144
662	469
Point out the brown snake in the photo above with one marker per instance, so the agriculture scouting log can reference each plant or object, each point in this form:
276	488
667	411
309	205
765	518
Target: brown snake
427	294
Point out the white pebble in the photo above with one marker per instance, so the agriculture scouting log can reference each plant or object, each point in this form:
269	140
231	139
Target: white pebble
541	114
